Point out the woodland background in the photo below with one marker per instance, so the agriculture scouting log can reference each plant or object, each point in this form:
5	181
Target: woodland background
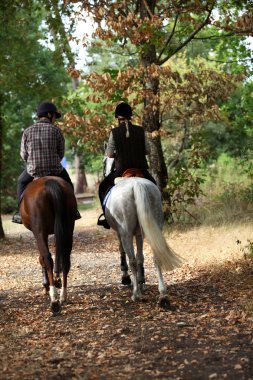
185	67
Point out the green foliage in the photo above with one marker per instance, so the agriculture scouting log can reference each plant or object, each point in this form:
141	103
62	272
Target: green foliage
185	180
9	205
102	58
225	170
227	194
28	76
239	113
232	134
231	51
151	34
227	183
74	104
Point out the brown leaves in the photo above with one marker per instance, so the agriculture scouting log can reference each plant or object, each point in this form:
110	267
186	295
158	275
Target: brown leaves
244	24
241	25
190	95
102	334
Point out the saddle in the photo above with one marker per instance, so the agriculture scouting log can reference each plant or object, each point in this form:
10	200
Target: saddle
132	172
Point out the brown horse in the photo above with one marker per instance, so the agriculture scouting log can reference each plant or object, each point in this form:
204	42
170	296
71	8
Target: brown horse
49	207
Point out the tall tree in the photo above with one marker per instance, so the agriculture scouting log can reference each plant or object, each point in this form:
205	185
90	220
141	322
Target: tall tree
1	177
28	76
158	31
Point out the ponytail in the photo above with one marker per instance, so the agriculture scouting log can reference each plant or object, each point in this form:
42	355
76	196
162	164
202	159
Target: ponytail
126	122
127	128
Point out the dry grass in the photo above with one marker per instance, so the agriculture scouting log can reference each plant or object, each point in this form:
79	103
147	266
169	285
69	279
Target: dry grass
207	244
200	245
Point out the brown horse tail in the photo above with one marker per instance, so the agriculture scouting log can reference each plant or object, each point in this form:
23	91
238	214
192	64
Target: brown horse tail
63	237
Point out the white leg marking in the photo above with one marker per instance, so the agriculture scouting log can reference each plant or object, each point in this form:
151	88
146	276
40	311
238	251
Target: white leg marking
161	285
53	294
63	295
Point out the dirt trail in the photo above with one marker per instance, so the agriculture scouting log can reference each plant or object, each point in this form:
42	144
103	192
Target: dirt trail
102	334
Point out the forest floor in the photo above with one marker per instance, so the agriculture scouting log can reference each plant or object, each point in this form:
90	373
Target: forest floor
102	334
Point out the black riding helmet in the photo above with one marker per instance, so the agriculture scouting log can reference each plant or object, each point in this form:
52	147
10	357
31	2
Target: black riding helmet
123	110
48	107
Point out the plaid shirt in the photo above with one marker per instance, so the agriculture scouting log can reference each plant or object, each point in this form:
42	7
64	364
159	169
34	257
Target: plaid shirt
42	148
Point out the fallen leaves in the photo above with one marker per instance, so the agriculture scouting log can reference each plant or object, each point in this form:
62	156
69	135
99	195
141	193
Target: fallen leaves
102	334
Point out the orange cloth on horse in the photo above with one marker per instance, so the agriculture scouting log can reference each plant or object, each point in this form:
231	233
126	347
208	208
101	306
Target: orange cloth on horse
133	172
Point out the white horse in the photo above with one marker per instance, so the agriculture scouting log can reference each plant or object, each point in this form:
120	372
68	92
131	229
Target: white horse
134	209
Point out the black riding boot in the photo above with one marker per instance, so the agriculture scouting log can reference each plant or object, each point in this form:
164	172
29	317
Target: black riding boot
103	222
17	218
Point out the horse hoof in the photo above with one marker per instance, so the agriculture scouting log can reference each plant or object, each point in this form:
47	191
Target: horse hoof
57	283
126	280
164	303
55	307
136	297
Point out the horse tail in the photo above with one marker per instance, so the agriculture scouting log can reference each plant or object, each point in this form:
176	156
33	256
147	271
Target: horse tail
150	218
63	237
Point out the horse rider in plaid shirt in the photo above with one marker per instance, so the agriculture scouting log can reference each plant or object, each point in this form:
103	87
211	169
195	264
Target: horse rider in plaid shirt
42	148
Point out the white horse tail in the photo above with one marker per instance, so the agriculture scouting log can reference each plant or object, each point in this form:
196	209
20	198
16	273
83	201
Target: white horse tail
150	216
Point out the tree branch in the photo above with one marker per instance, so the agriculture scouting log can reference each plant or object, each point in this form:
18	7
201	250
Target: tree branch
214	37
148	9
169	38
236	61
183	44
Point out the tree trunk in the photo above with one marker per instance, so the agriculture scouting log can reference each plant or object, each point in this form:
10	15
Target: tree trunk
1	158
151	123
151	117
81	180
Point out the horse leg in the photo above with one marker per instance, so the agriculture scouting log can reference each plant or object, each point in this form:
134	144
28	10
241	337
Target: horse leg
65	270
140	259
63	292
163	298
126	280
47	262
45	279
127	244
57	271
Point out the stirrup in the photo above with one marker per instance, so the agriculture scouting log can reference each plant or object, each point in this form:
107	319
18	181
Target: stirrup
103	222
78	215
17	219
